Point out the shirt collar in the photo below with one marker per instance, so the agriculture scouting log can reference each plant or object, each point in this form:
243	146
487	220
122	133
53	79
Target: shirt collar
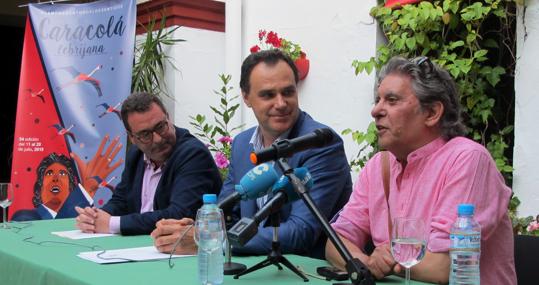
258	142
148	162
426	150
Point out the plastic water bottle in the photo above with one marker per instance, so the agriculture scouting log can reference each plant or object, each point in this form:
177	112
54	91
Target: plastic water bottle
465	248
210	233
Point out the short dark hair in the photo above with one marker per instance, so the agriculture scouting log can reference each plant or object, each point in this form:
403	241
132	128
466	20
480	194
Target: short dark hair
430	84
40	170
270	57
139	102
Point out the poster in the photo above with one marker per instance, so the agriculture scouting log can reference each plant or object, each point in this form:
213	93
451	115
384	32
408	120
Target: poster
69	140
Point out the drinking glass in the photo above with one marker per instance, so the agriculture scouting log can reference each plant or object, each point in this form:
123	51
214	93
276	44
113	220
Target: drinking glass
6	198
408	243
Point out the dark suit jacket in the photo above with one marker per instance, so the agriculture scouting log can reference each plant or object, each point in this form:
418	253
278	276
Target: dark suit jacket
299	231
38	213
188	173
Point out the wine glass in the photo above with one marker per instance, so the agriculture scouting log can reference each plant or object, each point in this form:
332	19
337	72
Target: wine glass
408	243
6	198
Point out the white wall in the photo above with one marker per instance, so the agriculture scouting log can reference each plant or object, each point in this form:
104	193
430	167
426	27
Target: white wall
526	151
332	34
200	59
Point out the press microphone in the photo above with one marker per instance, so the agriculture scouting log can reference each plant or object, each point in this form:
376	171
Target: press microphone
257	182
284	184
287	147
246	228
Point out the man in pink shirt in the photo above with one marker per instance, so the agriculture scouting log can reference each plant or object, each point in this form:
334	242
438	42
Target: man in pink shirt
432	169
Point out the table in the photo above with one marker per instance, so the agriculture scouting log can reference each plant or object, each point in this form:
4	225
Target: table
23	261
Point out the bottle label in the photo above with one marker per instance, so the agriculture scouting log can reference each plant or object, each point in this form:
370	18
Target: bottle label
466	242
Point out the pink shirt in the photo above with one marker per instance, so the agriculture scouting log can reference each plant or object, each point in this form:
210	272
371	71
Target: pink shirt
150	180
438	177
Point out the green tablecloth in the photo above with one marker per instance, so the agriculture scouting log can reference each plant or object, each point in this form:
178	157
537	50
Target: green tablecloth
25	262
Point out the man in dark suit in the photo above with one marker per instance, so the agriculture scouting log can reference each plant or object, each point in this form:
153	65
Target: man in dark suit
166	172
269	87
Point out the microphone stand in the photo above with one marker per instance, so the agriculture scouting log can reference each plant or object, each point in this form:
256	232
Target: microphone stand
274	257
358	273
229	267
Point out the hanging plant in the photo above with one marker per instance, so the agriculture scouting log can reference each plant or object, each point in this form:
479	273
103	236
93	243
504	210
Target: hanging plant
271	40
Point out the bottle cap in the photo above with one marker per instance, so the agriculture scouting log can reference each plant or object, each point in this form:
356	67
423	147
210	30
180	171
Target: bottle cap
466	209
209	198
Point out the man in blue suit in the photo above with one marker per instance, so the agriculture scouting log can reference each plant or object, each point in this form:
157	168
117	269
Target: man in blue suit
167	171
269	87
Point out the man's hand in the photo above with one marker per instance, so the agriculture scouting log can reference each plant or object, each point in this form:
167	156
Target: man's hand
85	221
102	222
100	165
167	233
92	220
381	262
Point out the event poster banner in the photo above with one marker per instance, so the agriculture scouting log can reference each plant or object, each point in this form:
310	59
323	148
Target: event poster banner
69	140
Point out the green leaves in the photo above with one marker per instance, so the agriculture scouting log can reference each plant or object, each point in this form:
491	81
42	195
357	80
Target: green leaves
475	12
492	75
368	142
223	114
361	66
148	69
452	34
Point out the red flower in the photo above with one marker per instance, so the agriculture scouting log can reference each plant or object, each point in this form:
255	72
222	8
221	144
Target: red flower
261	34
273	39
255	48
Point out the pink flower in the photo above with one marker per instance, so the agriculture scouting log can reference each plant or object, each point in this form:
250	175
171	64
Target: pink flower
221	160
225	139
533	226
255	48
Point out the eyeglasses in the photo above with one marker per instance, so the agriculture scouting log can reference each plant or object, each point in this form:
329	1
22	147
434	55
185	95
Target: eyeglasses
423	63
146	136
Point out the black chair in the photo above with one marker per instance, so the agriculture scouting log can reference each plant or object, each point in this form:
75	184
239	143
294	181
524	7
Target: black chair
526	256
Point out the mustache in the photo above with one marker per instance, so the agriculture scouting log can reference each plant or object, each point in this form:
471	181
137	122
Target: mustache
160	146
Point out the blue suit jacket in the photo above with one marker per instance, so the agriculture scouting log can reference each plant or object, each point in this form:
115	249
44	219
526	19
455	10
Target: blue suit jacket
75	198
299	232
188	173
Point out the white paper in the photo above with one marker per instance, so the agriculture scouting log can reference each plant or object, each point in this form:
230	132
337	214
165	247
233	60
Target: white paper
78	234
126	255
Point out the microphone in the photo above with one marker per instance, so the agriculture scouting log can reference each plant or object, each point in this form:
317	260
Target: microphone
246	228
283	184
255	183
287	147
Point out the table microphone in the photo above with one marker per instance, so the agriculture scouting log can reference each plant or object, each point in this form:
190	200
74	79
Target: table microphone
256	183
287	147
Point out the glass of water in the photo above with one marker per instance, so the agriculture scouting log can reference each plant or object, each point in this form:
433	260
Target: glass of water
6	198
408	243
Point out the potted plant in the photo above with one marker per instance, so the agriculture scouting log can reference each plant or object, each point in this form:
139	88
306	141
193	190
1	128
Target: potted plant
270	40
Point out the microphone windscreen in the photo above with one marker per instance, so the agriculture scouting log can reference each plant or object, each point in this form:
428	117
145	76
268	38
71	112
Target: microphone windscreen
257	182
325	135
283	184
